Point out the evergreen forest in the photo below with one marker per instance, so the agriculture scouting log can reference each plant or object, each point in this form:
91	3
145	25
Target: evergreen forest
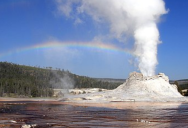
28	81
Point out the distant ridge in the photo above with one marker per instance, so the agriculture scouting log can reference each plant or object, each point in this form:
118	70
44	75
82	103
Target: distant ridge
113	80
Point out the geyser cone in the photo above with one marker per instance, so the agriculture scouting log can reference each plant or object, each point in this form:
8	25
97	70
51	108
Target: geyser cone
136	88
154	88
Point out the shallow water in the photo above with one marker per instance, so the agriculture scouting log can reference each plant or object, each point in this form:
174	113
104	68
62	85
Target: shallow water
112	115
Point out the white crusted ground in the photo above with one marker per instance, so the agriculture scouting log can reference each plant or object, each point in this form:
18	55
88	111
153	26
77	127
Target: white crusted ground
136	88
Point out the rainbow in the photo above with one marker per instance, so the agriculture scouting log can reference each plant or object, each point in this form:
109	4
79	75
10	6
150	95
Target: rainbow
56	44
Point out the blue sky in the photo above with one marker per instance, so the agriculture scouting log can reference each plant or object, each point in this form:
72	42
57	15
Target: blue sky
28	23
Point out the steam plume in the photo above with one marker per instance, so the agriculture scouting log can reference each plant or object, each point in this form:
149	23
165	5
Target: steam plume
136	18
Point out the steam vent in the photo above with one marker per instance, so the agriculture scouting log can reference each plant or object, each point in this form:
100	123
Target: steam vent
136	88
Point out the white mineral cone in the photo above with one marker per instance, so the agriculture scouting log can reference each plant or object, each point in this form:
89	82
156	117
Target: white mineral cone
154	88
137	88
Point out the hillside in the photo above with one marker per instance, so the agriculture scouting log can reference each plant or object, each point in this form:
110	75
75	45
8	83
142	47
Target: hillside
182	86
111	80
26	81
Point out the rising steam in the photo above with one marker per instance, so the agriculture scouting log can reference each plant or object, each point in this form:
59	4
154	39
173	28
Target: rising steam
136	18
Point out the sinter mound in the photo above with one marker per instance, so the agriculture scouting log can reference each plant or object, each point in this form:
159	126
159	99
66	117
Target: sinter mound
136	88
150	88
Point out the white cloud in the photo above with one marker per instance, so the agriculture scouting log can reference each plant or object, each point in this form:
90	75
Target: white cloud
136	18
78	21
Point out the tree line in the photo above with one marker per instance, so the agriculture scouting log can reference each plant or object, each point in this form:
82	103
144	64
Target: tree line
27	81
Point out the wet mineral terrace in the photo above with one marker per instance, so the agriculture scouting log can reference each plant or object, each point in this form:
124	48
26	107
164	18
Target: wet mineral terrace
27	114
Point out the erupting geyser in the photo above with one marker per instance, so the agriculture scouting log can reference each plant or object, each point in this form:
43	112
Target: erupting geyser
125	18
128	18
